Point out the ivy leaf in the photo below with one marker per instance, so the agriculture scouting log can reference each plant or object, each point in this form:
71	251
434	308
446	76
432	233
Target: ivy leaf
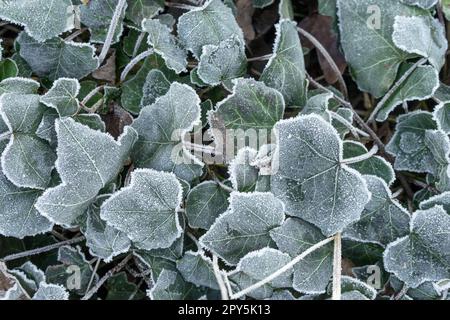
442	116
63	273
243	175
421	35
204	203
162	126
8	69
424	4
442	199
119	288
18	85
155	86
285	71
42	19
104	241
209	24
357	24
146	210
51	292
245	226
376	165
138	10
223	62
420	85
165	44
312	180
57	58
408	143
383	220
354	289
27	161
251	105
423	255
258	265
171	286
102	158
19	218
63	96
313	273
197	269
97	16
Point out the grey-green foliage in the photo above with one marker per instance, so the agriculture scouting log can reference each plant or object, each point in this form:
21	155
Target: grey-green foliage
425	4
245	226
423	255
442	116
171	286
285	71
51	292
56	58
62	96
312	180
197	269
138	10
155	86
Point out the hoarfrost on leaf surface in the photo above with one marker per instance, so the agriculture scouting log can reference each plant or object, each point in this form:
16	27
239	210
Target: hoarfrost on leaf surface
62	96
51	292
197	269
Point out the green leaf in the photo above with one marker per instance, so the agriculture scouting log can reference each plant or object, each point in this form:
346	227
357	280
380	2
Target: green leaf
171	286
8	69
423	255
161	128
223	62
441	115
146	210
285	10
366	28
119	288
353	289
245	226
442	199
204	203
421	35
424	4
155	86
42	19
138	10
57	58
313	273
63	96
165	44
312	180
383	220
196	268
243	175
285	71
209	24
102	158
18	85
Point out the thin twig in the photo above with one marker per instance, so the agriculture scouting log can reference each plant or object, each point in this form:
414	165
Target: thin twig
281	270
112	30
134	62
354	131
94	272
108	275
75	34
261	58
220	282
41	250
337	267
394	88
91	94
362	157
328	58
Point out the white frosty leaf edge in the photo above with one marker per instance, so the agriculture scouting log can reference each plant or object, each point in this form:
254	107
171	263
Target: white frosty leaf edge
77	90
437	108
370	290
433	198
229	210
238	160
131	186
30	81
58	168
52	285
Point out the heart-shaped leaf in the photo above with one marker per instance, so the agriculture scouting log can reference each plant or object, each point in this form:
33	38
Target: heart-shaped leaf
63	96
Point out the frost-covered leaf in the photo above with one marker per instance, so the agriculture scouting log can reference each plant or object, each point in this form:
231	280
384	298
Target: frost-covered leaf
442	199
146	210
423	255
74	272
165	44
155	86
245	226
383	220
285	9
63	96
425	4
42	19
27	160
138	10
376	165
101	157
97	16
161	127
312	274
197	269
442	116
312	180
353	289
209	24
408	144
421	35
258	265
18	85
171	286
51	292
366	28
18	216
104	241
223	62
8	69
318	104
204	203
57	58
420	85
243	175
285	71
119	288
251	105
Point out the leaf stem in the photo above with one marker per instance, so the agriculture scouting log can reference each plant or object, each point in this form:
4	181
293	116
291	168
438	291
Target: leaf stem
337	267
94	272
91	94
112	30
41	250
220	282
138	44
281	270
362	157
134	62
394	88
354	131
